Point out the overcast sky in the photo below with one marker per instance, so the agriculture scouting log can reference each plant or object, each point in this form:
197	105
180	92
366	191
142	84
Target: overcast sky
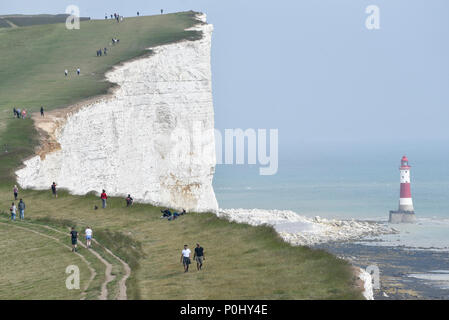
311	68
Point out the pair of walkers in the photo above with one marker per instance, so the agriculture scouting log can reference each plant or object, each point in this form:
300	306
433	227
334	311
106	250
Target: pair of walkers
198	256
13	210
74	237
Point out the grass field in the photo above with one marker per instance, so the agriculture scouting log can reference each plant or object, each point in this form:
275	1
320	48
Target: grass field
242	262
31	20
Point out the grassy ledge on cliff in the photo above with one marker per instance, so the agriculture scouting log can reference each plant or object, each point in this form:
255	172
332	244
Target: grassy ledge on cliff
242	262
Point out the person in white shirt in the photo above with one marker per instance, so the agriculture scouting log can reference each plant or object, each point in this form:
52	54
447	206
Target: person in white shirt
13	210
88	233
185	258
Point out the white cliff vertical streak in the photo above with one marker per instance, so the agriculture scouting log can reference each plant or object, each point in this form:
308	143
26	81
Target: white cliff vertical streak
153	138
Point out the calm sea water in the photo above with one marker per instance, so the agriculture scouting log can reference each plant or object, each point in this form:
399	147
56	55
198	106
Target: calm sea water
345	182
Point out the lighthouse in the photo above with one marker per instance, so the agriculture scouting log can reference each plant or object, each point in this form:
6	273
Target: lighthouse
405	213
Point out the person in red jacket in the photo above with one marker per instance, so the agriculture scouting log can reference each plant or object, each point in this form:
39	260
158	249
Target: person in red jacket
104	197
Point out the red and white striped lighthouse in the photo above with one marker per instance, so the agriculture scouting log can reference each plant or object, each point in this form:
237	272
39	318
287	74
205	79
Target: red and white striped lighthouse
405	200
405	213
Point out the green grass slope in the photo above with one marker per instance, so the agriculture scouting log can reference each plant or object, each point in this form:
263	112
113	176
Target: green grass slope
242	262
20	20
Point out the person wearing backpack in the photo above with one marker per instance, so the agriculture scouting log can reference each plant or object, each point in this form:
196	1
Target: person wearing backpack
13	211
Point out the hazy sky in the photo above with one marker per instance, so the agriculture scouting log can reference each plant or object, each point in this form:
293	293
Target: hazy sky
312	69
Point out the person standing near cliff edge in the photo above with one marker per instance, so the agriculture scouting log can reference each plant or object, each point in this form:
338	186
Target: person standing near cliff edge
53	189
21	206
103	197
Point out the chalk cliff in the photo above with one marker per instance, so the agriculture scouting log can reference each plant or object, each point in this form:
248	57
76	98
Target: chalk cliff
153	137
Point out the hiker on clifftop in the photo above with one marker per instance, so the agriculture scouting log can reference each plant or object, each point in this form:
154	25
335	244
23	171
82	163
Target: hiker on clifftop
185	258
74	237
88	233
21	206
129	201
103	197
198	256
13	211
42	111
15	190
53	190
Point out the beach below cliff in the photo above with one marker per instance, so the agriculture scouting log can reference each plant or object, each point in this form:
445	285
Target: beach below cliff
404	273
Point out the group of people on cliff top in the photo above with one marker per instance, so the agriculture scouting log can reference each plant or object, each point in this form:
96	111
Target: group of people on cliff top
22	114
115	16
74	235
119	18
20	206
19	114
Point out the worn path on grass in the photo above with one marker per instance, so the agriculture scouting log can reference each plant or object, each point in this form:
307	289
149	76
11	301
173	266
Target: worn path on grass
122	283
92	270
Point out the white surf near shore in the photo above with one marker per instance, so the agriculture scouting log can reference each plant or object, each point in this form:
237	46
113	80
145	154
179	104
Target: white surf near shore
299	230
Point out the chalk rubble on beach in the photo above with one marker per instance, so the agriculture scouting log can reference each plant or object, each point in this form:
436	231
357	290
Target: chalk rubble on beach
368	292
300	230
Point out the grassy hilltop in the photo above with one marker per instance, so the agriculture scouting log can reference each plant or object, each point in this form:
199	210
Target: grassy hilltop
242	262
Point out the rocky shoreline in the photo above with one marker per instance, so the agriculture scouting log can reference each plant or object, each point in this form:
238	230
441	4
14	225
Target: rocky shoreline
398	269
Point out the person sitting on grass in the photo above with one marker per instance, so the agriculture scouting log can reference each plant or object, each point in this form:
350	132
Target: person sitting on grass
129	201
165	213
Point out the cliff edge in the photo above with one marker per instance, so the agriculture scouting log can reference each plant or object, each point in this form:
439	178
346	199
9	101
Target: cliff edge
152	137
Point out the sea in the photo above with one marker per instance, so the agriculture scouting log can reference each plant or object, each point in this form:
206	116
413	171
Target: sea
353	181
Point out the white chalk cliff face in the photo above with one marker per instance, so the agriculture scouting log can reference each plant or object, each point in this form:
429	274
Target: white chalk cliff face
153	138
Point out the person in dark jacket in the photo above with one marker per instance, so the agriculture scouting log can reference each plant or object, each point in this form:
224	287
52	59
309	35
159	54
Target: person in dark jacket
21	207
129	201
